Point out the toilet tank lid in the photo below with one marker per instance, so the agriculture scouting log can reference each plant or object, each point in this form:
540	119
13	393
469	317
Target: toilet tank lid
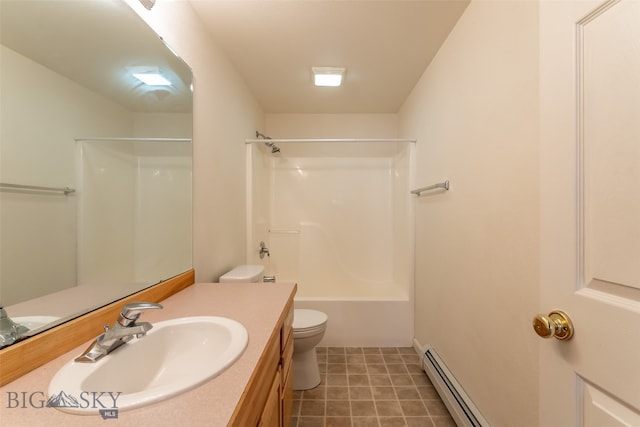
247	273
303	318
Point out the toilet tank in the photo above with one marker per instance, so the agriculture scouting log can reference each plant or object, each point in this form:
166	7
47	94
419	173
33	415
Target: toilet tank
244	273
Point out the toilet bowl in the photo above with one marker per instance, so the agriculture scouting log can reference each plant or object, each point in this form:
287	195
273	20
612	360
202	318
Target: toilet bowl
308	330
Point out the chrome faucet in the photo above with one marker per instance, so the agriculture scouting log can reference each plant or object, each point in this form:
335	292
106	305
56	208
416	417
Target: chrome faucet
10	331
122	332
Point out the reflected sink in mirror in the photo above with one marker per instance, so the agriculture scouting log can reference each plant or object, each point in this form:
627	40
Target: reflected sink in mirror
175	356
35	322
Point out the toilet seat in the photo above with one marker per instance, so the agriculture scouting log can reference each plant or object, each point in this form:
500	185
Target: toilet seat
308	320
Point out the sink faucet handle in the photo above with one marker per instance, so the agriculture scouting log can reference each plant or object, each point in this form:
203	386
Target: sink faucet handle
132	311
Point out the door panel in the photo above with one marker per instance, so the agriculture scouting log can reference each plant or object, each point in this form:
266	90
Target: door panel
608	72
601	409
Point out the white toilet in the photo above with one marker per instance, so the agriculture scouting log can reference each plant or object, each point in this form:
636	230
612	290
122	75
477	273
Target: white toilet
243	274
308	330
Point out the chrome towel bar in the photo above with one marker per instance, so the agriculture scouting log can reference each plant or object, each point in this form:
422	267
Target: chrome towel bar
444	185
65	190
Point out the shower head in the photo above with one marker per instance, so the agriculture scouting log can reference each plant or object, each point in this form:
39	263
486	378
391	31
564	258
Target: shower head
274	147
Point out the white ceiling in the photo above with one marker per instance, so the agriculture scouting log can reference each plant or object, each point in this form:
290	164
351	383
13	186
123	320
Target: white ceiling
95	44
385	45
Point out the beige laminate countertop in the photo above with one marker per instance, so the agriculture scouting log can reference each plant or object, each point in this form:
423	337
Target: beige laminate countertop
258	306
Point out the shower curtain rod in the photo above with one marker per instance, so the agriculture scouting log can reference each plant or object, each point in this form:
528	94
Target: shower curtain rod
118	139
283	140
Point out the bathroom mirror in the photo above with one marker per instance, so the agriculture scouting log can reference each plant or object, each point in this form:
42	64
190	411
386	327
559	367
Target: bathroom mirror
95	165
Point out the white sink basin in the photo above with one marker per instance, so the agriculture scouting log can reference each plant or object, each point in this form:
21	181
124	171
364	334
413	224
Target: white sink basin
174	356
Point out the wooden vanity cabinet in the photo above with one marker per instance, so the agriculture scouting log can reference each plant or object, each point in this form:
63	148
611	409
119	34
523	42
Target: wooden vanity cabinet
286	346
268	399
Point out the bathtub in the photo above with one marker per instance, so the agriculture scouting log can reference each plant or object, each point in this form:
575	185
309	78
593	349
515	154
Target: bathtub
363	289
364	322
338	221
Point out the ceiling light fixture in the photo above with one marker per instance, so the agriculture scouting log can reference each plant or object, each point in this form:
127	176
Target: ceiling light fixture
150	76
328	76
152	79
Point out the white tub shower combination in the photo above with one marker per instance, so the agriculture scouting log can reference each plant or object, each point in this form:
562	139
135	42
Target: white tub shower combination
336	217
135	209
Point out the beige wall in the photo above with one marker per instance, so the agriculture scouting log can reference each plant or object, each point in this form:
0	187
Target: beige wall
225	114
332	125
475	114
42	112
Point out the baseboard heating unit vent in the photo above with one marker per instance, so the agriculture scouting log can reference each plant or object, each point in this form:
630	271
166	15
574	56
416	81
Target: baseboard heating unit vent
464	413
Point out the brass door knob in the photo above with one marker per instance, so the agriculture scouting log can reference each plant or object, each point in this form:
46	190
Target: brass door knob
556	324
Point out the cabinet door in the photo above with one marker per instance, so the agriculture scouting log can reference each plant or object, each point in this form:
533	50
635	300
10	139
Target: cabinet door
271	414
287	398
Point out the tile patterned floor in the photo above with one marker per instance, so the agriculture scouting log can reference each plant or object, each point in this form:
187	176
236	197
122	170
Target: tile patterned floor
370	387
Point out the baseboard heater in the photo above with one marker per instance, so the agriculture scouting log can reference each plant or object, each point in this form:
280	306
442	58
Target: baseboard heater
461	408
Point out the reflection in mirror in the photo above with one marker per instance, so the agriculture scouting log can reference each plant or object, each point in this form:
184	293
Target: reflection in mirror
95	201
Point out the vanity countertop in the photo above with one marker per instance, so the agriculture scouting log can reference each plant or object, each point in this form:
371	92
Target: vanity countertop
258	306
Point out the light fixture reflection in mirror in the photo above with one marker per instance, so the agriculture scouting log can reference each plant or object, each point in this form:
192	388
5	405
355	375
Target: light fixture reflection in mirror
66	254
148	4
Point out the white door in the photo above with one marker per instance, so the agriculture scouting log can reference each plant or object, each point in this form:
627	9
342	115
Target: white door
590	210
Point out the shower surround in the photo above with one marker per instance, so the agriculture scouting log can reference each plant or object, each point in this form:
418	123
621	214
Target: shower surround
337	219
134	210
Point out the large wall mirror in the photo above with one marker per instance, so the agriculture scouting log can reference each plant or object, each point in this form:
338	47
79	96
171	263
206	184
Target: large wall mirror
95	201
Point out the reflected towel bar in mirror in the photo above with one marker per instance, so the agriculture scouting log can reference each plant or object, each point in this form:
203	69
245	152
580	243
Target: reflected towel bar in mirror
65	190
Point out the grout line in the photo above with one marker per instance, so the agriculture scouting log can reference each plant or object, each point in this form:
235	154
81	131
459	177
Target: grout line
348	388
404	418
375	407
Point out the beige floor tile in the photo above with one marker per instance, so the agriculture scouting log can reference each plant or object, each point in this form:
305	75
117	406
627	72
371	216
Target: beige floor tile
370	387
